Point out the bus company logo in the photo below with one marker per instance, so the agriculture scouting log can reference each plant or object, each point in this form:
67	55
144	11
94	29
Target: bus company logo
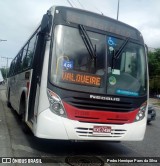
6	160
104	98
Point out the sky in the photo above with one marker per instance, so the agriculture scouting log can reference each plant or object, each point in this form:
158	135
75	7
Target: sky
19	19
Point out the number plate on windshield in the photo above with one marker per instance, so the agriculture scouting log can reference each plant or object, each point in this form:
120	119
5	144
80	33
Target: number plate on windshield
101	129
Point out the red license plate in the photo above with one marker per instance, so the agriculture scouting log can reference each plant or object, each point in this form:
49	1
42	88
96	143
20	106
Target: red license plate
101	129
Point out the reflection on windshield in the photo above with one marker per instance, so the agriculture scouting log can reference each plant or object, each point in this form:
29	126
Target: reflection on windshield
72	66
128	76
73	69
89	45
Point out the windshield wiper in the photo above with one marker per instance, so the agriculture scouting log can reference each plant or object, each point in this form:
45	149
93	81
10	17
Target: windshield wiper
117	55
89	45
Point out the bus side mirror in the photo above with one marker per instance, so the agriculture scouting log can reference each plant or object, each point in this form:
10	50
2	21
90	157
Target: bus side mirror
46	23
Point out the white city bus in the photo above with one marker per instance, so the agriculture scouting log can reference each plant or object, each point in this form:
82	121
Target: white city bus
81	76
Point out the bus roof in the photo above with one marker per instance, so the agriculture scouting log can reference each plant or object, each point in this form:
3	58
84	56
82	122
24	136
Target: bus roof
97	21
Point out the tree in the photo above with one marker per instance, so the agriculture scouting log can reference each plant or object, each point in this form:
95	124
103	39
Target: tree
4	72
154	71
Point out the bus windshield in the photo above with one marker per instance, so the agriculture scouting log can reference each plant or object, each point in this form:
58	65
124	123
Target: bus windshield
111	72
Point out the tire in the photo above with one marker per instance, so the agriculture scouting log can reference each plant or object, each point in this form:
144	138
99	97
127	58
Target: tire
148	122
24	126
8	100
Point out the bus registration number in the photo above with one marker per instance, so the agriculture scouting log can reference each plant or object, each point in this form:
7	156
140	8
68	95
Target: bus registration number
101	129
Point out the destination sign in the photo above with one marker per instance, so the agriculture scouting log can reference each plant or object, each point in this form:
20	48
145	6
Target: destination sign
81	78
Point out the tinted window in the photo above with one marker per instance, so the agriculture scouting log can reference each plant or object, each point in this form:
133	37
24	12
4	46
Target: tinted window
11	69
23	56
18	64
27	62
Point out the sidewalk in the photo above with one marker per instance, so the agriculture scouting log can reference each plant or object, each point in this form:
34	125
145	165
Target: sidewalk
5	142
154	101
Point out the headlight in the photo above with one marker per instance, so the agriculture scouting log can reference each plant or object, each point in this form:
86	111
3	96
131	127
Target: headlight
141	113
56	105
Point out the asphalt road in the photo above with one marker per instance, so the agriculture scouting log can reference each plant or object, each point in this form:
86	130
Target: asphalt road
15	143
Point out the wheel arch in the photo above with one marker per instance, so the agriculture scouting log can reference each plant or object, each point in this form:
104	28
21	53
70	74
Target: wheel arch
22	103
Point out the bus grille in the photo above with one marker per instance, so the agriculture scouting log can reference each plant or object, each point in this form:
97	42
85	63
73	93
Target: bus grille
93	104
88	132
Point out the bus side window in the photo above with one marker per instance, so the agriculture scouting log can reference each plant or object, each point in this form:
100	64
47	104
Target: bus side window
11	69
23	57
18	63
15	66
27	62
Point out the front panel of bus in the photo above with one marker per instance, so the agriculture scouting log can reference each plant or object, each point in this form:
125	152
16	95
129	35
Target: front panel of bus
97	83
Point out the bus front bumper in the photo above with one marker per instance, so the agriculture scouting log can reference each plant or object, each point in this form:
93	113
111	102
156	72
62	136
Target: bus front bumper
52	126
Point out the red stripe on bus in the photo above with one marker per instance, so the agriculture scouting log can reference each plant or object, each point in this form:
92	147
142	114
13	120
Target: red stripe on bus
99	116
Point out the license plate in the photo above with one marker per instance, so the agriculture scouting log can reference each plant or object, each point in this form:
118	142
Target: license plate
101	129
